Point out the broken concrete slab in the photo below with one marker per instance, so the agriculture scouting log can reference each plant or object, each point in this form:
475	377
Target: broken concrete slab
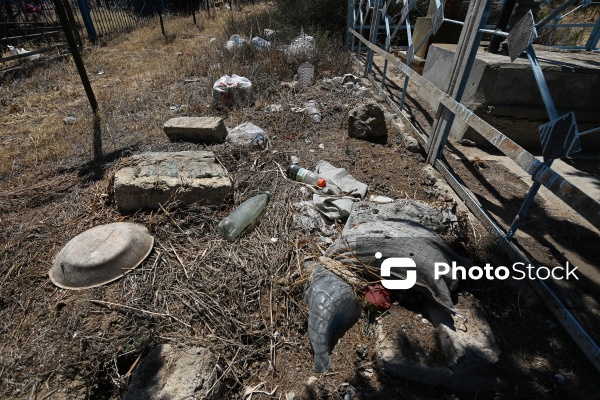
170	372
467	341
405	352
155	179
196	129
367	121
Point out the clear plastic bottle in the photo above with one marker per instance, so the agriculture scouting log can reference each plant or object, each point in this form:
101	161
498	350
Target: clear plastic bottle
235	223
300	174
313	112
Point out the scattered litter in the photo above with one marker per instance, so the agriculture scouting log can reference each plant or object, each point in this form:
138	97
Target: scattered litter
304	175
101	72
178	107
69	120
248	134
313	112
312	380
306	218
302	47
306	74
377	298
234	225
20	51
228	89
321	146
294	160
273	108
260	43
268	33
212	40
101	255
274	240
381	199
341	193
235	41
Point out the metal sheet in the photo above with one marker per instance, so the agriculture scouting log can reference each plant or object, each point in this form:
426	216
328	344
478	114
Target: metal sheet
521	36
559	137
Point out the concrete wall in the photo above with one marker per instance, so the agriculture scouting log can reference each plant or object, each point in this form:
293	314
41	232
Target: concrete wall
506	94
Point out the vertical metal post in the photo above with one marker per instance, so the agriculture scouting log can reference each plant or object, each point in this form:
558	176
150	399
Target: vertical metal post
466	51
350	24
87	20
503	21
592	42
372	37
64	20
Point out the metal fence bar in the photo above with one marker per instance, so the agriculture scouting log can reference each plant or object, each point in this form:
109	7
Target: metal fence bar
592	42
574	197
464	58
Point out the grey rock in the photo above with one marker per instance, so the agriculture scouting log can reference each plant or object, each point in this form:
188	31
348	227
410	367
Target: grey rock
169	372
367	121
412	144
155	179
402	357
467	341
196	129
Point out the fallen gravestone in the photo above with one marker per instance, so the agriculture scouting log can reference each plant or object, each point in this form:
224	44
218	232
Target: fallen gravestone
157	179
169	372
196	129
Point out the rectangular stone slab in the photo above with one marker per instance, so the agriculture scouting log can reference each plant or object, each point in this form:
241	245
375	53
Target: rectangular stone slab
196	129
156	179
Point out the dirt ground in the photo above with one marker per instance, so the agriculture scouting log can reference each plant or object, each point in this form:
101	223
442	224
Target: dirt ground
243	300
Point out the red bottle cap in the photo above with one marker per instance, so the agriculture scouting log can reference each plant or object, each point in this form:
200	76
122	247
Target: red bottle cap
321	183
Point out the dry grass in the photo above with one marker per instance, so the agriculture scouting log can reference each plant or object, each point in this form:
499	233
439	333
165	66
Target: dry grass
195	288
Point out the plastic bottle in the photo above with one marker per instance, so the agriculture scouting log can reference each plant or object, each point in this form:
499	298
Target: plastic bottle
313	112
235	223
300	174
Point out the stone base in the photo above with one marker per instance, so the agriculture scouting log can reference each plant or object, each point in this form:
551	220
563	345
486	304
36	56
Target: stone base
196	129
183	178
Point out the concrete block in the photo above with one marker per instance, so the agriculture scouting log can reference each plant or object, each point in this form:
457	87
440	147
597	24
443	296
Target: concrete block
156	179
506	95
170	372
196	129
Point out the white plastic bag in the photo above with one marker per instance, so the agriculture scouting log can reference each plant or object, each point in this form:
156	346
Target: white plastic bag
232	89
235	41
302	48
248	134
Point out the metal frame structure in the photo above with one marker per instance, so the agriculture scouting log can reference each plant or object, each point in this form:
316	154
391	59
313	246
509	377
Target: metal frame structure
559	136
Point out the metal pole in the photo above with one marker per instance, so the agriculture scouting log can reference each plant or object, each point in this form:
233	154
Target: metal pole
466	52
592	42
64	20
507	10
373	37
554	13
553	114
